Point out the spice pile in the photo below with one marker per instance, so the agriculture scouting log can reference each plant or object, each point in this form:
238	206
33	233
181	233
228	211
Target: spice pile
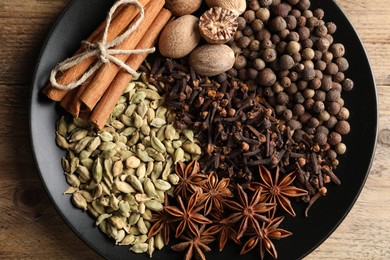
259	83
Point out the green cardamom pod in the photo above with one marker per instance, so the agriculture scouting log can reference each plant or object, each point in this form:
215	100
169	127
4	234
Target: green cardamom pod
77	135
162	185
126	120
61	126
97	171
117	222
173	178
158	122
94	144
154	205
157	144
135	183
79	201
149	188
192	148
61	141
178	155
150	247
117	169
127	240
141	226
123	187
159	241
139	248
133	162
101	218
150	94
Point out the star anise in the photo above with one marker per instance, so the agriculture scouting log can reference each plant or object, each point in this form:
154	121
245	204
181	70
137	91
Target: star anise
247	212
214	193
162	222
268	233
187	215
223	231
195	245
190	179
277	191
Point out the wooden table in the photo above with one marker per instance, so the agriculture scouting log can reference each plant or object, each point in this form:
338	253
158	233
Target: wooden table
31	228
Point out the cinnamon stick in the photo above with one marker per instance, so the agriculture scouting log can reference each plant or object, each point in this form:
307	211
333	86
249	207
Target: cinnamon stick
107	72
121	20
106	104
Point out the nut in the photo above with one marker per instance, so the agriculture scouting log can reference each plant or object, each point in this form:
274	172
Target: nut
183	7
218	25
179	37
237	6
211	60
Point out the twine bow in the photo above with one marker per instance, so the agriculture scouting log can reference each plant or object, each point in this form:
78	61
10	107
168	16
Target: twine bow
103	50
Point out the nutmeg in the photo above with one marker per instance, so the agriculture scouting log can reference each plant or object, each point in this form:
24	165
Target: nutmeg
210	59
179	37
237	6
218	25
183	7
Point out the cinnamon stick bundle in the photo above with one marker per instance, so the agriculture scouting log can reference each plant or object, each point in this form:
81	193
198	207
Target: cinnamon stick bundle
107	102
121	20
107	72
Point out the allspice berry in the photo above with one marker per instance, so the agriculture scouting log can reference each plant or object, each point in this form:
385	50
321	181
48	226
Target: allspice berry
342	127
266	77
278	24
286	62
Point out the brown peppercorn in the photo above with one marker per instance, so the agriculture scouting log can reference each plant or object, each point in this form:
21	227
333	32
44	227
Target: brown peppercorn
332	68
298	135
249	16
240	62
342	127
315	83
304	33
320	138
293	2
282	98
338	77
293	47
263	14
332	95
337	49
331	27
286	62
333	108
265	3
303	5
269	55
322	129
347	84
340	148
254	5
241	23
343	114
258	64
247	31
321	31
331	122
266	77
322	44
308	64
237	35
257	25
263	34
342	63
278	24
326	83
308	74
254	45
244	42
324	116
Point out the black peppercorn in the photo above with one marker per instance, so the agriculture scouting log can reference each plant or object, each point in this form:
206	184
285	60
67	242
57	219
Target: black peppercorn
266	77
242	74
342	127
232	73
347	84
281	47
296	57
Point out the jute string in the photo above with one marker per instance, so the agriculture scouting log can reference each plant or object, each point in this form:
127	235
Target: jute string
103	50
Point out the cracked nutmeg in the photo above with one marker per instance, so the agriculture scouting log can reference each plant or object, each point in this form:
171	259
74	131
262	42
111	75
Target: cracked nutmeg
218	25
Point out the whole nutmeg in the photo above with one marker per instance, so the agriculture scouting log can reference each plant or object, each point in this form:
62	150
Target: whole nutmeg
218	25
183	7
179	37
237	6
210	59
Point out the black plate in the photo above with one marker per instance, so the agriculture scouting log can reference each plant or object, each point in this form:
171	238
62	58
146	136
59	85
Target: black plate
80	18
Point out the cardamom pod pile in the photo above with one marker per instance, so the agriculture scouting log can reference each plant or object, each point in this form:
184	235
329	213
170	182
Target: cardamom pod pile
121	175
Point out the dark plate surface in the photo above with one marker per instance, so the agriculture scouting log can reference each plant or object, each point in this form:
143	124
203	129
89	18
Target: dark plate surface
81	17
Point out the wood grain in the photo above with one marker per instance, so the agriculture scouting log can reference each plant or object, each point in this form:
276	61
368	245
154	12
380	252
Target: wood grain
30	227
